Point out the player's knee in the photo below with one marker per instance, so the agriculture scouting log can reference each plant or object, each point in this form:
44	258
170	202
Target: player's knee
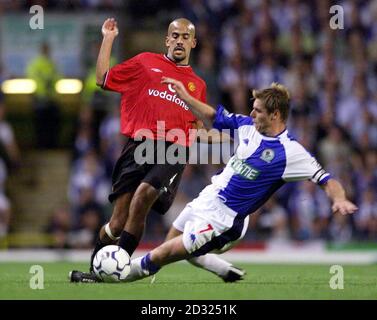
175	249
147	192
144	197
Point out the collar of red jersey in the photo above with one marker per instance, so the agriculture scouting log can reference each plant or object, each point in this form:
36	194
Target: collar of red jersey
178	65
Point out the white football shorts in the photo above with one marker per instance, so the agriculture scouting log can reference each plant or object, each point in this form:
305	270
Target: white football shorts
208	225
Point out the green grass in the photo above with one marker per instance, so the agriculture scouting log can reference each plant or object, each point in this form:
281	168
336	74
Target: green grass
182	281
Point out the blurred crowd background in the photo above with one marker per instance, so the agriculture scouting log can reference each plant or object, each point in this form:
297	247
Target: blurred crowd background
242	44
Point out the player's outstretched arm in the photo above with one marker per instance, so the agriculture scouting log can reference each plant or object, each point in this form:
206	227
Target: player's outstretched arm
200	109
336	193
109	32
210	136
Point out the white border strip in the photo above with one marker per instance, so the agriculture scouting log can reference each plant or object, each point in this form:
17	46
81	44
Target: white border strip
251	256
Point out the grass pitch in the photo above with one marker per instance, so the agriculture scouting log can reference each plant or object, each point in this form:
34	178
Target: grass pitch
181	281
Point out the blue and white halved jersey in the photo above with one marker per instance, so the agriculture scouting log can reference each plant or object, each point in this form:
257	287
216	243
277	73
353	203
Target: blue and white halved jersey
260	164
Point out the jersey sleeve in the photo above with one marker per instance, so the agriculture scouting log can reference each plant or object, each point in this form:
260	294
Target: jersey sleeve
301	165
229	121
119	77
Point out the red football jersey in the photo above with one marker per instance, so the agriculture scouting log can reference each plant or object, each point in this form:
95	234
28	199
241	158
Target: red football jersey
147	104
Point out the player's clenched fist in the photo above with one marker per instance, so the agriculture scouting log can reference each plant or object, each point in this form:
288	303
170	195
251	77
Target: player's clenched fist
110	27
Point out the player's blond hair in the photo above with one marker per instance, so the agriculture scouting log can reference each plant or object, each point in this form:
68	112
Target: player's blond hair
276	97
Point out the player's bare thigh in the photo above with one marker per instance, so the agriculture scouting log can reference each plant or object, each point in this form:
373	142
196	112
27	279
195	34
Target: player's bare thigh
173	232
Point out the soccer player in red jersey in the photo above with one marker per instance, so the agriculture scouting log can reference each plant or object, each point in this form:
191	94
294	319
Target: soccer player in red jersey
147	105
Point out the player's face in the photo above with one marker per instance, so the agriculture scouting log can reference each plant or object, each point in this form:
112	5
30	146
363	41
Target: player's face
179	41
262	120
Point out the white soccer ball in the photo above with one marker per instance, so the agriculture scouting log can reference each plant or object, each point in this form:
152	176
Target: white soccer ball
112	264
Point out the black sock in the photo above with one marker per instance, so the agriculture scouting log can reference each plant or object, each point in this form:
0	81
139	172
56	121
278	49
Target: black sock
98	246
128	242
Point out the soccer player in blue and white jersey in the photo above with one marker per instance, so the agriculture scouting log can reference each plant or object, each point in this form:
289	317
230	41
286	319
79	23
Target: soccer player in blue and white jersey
266	158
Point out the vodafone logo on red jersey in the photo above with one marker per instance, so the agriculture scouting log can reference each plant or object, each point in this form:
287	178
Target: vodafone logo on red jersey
169	96
171	88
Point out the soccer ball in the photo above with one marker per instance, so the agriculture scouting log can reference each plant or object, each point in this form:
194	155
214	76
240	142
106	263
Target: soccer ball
112	264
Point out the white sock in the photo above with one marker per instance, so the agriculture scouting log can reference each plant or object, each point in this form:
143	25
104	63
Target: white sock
137	272
212	263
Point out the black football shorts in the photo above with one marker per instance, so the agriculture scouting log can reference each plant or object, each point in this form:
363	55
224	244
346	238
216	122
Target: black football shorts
128	174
